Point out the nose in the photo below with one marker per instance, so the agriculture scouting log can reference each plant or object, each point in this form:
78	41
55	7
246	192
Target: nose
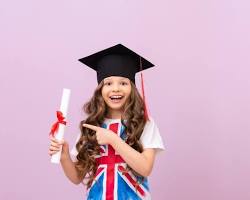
115	87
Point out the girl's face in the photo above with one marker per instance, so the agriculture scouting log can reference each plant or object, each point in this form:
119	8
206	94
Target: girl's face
115	92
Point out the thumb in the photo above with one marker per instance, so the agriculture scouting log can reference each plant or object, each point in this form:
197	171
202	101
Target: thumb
65	145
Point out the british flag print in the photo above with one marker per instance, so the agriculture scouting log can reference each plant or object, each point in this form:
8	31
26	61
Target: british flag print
110	182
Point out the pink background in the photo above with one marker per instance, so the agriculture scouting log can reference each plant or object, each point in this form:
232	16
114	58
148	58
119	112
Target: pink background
198	92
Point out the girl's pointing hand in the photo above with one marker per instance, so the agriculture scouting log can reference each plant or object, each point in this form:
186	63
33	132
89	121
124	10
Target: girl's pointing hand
103	136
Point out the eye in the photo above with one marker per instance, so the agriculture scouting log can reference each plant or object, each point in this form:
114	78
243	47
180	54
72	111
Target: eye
124	83
107	83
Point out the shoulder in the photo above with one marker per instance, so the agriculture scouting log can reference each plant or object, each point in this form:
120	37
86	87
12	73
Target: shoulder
151	119
150	123
150	127
151	137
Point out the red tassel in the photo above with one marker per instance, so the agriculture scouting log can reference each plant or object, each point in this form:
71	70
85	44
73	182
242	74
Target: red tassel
143	93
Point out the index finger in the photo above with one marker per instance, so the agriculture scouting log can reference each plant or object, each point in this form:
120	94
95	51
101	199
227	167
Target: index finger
92	127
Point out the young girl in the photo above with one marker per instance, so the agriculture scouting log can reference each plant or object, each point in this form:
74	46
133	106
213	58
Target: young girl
116	149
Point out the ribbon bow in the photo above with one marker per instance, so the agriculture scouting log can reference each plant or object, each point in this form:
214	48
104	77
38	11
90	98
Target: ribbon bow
60	120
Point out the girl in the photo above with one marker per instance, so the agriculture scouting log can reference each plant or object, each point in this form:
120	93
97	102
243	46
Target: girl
116	149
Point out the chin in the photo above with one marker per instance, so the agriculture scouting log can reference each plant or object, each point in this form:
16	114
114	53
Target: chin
116	107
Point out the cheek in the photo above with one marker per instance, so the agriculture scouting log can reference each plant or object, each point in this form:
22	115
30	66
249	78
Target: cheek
129	91
104	92
105	95
128	94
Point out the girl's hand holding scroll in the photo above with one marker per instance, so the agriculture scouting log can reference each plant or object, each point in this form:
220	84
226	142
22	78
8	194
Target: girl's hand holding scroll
55	146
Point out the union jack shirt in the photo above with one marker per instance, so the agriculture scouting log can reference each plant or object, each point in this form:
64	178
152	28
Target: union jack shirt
111	182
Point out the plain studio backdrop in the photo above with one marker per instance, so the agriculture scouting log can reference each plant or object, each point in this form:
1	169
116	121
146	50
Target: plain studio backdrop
198	93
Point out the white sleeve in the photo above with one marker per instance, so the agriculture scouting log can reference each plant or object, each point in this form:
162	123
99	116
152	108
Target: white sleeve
151	137
74	151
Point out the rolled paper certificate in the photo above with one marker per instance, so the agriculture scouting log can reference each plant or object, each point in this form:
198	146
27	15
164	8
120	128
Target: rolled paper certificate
61	126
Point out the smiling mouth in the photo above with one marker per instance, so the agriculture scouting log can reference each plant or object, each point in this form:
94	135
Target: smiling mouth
116	98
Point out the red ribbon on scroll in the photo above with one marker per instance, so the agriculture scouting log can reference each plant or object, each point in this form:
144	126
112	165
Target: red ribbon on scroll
60	120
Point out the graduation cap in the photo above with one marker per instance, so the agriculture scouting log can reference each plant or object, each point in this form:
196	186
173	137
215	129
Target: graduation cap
116	61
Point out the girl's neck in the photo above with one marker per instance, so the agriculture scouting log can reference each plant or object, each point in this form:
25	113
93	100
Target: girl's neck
114	114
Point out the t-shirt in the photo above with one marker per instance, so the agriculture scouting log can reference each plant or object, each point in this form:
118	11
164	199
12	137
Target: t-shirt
110	181
150	138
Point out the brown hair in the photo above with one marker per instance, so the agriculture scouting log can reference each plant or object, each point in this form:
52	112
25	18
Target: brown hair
96	109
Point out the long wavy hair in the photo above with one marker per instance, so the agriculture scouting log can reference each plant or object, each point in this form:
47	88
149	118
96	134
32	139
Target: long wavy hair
133	120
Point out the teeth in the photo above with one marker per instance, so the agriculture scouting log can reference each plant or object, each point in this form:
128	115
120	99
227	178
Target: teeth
116	97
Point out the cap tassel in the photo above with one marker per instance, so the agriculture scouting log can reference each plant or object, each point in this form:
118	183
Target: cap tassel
143	93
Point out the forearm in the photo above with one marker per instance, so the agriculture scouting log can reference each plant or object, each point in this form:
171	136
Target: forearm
136	160
69	169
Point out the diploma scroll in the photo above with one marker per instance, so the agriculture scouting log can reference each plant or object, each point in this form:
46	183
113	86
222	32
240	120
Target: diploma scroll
61	128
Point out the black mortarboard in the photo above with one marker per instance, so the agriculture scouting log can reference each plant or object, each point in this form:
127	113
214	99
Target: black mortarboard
116	61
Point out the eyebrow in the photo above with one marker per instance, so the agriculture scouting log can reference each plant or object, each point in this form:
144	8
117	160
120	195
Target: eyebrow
121	79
